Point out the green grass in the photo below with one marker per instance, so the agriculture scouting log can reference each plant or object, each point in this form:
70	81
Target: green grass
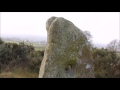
11	41
39	48
118	54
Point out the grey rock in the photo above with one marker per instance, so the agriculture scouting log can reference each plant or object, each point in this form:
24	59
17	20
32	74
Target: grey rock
67	53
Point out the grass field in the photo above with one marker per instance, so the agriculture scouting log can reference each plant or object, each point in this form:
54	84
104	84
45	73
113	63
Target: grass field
118	54
36	45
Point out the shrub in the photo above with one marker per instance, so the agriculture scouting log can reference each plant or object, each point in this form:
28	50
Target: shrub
105	63
25	56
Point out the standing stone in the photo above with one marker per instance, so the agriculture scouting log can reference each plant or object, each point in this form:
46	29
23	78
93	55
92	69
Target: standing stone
0	24
68	53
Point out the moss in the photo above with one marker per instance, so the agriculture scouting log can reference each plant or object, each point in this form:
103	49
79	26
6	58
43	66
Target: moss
65	41
86	53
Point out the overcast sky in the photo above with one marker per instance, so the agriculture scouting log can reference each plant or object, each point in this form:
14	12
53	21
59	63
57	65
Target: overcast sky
104	26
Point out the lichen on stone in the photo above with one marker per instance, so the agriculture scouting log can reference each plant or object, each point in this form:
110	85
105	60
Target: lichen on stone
66	51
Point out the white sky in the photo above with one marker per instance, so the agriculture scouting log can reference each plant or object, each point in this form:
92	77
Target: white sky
104	26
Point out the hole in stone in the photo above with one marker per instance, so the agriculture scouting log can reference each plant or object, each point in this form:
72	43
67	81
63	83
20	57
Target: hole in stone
58	75
68	67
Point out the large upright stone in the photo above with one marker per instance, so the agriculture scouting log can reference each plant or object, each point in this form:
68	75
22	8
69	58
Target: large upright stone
0	24
67	54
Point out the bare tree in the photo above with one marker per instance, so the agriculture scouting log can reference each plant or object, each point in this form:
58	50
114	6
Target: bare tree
89	37
113	45
119	45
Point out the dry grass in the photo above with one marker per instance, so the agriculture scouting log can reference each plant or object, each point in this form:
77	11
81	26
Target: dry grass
7	75
19	73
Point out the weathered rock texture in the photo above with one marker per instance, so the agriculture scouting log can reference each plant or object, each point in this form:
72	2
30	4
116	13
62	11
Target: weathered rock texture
67	54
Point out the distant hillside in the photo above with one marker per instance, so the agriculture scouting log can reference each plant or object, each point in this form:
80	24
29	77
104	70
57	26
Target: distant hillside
36	39
98	45
24	37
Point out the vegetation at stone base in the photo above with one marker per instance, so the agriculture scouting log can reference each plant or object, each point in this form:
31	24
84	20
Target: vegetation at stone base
23	61
19	57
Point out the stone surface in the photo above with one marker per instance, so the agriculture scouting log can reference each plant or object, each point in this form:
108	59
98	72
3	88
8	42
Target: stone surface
67	54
